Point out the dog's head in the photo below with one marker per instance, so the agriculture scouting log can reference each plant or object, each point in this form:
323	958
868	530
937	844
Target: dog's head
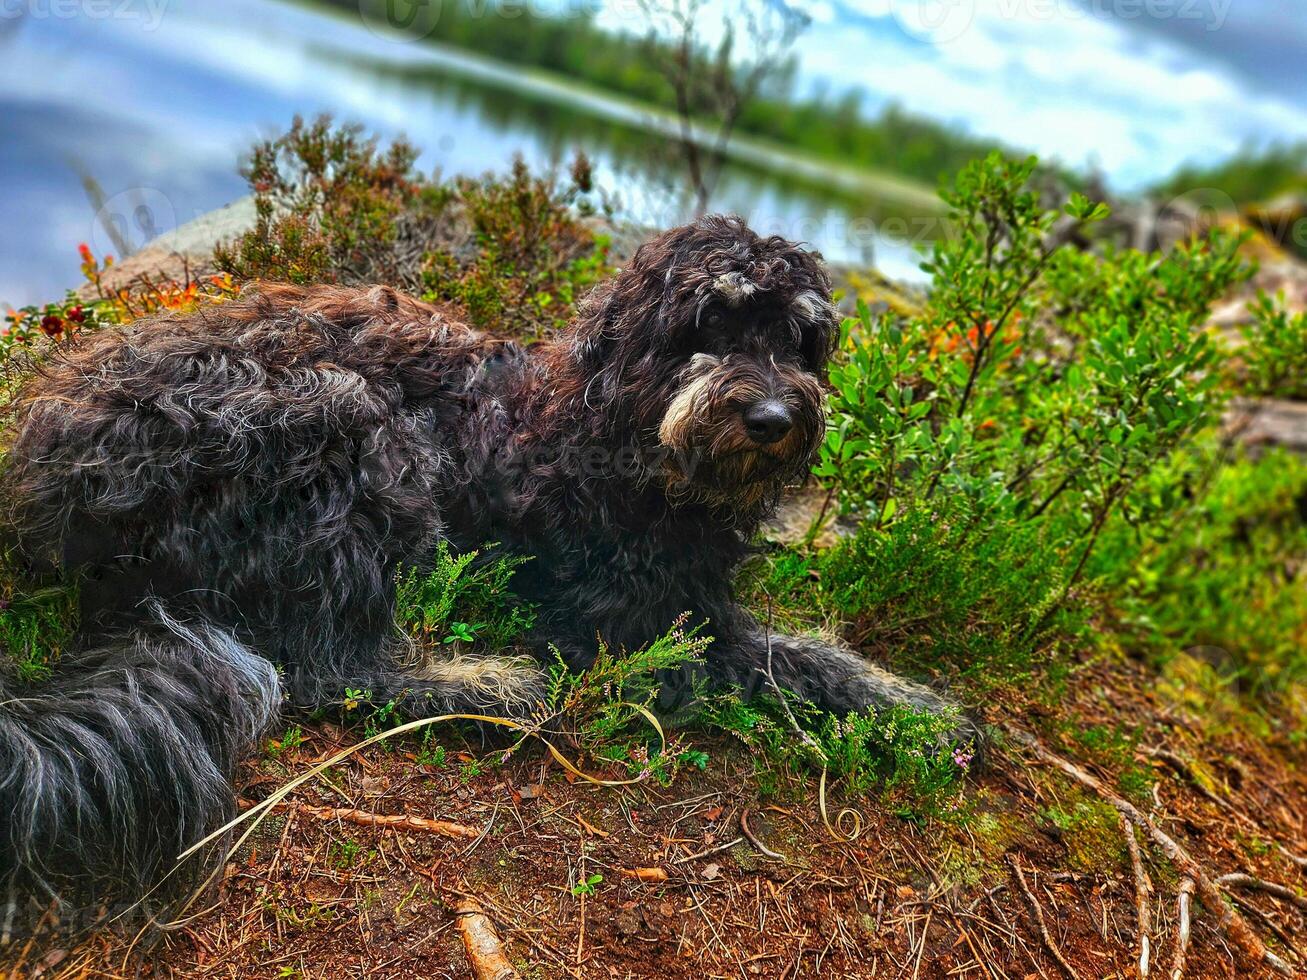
711	346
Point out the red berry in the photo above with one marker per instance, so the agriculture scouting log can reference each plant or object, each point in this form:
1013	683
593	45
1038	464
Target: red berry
52	326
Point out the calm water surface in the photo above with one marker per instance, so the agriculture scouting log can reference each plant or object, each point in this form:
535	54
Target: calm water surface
154	105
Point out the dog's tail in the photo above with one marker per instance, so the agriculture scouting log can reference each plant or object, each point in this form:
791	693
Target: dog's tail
122	760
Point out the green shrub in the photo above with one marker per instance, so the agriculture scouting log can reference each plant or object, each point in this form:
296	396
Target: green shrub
330	207
1225	574
902	755
987	441
607	708
1035	375
464	598
532	258
1275	356
512	251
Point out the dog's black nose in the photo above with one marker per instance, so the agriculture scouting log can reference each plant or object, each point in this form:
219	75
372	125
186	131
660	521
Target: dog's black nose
768	422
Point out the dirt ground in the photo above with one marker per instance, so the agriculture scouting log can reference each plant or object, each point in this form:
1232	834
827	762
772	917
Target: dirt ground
704	879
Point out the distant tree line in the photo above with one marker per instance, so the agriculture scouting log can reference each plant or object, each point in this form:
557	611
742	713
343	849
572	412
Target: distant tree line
1251	176
633	65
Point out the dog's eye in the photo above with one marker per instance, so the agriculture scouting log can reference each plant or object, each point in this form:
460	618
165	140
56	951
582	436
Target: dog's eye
713	319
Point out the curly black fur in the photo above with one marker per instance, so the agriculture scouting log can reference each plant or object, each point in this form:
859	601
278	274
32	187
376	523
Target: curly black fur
238	486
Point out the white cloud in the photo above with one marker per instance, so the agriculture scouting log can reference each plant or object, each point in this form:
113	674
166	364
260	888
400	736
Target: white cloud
1046	75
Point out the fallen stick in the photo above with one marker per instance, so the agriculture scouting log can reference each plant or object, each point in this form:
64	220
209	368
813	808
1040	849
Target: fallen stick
1142	887
643	874
403	821
1182	931
1301	862
1250	883
1235	927
482	944
762	848
1038	912
712	850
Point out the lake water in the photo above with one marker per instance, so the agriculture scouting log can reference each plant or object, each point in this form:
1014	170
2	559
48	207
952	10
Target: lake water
152	104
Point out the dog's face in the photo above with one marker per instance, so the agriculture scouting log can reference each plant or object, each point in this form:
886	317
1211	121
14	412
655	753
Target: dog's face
713	343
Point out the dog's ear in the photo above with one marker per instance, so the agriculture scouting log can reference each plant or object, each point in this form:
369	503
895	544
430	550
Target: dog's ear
594	331
818	321
629	310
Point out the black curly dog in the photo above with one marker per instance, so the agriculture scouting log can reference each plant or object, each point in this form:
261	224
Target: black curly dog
237	487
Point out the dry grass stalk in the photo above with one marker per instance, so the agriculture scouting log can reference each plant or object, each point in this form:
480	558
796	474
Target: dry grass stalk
1038	911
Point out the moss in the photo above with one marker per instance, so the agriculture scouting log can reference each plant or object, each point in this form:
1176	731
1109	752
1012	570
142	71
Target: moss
1210	699
973	854
1090	830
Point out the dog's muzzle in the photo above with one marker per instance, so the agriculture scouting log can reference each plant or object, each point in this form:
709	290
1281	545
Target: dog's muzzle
737	428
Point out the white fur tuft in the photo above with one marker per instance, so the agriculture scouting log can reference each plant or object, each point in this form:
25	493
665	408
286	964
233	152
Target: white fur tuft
734	287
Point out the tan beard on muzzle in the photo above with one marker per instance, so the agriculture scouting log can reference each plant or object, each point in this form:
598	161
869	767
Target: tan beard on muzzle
684	415
711	457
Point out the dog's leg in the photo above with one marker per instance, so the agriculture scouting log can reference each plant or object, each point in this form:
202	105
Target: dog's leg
123	759
833	677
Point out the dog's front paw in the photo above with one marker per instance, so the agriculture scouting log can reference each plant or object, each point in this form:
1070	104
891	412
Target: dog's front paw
875	689
508	687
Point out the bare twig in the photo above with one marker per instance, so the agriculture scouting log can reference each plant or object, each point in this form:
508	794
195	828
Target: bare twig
1038	912
1142	887
1249	883
1182	931
1235	927
404	821
712	850
762	848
